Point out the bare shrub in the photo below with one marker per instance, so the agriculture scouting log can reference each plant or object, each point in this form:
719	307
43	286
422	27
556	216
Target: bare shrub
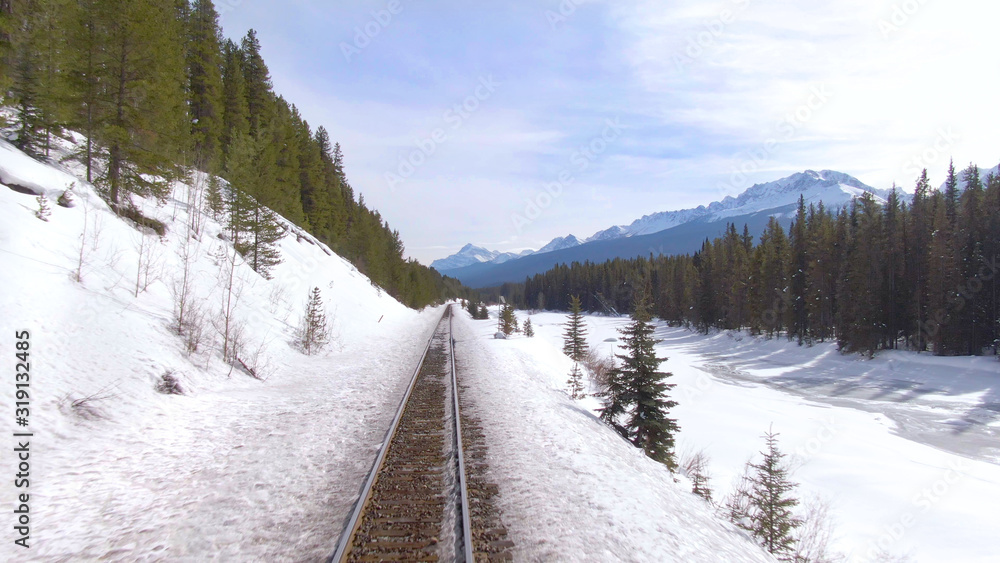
737	505
815	534
193	329
598	366
87	408
169	384
696	468
257	363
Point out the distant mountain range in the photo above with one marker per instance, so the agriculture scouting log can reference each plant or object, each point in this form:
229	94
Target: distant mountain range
471	254
669	232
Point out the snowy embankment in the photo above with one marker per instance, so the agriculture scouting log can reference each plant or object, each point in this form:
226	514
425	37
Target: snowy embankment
235	469
903	448
570	488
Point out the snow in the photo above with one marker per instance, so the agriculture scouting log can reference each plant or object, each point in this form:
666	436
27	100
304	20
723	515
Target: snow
471	254
570	488
903	447
834	189
236	468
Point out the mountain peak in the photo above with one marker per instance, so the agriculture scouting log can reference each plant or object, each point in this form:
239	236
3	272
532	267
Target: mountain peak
834	189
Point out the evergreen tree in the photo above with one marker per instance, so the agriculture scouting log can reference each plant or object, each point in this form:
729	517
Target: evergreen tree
235	120
313	333
254	228
637	390
575	337
257	79
142	68
529	330
44	210
575	382
205	89
771	520
951	193
508	320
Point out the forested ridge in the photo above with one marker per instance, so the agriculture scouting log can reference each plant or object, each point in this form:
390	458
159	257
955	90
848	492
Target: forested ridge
157	92
920	275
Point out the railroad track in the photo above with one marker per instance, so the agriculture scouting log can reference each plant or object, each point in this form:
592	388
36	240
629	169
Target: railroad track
427	497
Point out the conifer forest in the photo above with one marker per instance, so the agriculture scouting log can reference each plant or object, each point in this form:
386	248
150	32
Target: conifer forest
158	93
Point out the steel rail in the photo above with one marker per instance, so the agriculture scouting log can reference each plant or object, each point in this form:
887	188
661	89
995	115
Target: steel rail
466	515
347	535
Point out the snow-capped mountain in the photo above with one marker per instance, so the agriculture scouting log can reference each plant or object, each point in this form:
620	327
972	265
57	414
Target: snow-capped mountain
467	256
470	254
834	189
560	243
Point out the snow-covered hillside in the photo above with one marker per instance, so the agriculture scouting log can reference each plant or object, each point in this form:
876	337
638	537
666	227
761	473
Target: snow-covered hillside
235	468
834	189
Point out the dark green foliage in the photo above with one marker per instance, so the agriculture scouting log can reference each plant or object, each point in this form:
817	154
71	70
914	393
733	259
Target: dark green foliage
575	337
254	228
508	320
529	330
771	521
204	68
637	392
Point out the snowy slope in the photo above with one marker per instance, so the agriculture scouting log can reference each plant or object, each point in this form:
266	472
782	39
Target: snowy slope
834	189
570	488
235	469
904	448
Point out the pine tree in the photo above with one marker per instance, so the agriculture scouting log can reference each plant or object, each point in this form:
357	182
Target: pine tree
575	382
44	210
529	330
235	120
771	520
575	337
204	67
508	320
258	83
142	69
254	228
314	330
638	392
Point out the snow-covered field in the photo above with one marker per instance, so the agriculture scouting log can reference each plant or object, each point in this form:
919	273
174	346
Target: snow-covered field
236	469
570	488
904	448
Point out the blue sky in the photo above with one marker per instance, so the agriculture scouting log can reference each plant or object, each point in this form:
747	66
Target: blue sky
508	124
